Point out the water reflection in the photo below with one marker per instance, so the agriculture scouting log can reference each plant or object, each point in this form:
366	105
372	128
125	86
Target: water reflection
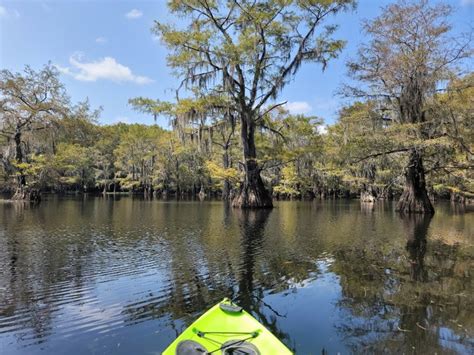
398	303
416	229
113	276
250	294
252	228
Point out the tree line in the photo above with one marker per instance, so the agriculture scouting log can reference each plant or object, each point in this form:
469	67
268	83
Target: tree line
406	132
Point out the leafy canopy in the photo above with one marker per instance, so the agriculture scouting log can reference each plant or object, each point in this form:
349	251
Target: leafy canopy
248	49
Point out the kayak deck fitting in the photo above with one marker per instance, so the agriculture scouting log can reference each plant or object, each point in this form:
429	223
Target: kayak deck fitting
226	329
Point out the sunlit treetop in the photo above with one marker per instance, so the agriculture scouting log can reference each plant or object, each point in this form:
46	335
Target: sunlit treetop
410	53
248	49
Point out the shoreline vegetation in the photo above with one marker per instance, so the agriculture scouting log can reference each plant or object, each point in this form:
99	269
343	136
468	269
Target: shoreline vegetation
405	134
466	199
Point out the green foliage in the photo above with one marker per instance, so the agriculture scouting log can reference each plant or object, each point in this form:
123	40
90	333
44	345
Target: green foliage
75	165
234	58
296	160
246	52
264	41
36	170
219	173
289	182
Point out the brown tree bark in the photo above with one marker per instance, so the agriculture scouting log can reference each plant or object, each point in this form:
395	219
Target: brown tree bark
23	192
415	198
19	158
252	193
367	194
226	164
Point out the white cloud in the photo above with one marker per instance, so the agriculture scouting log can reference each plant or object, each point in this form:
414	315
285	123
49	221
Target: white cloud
298	107
106	69
3	11
101	40
64	70
467	2
134	14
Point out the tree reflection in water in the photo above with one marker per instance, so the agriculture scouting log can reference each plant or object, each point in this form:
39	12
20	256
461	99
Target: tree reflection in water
30	273
250	293
233	274
416	228
396	301
89	271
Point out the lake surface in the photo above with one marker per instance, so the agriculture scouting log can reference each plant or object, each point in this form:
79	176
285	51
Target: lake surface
126	275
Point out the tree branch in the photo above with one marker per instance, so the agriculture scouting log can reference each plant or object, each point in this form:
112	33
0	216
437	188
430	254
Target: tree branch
399	150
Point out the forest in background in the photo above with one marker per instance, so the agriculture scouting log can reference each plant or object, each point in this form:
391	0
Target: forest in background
407	132
299	159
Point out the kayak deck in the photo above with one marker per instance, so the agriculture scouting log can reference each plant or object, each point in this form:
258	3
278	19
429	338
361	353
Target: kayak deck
224	329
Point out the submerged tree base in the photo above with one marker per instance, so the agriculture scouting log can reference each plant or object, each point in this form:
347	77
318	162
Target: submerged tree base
367	197
410	202
252	197
415	197
252	193
25	194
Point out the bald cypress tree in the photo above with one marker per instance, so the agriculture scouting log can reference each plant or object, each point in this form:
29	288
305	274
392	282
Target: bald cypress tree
249	50
409	55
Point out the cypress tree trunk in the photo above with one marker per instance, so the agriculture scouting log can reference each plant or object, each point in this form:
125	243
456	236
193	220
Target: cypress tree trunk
178	187
415	196
23	192
202	193
252	193
19	159
226	163
368	195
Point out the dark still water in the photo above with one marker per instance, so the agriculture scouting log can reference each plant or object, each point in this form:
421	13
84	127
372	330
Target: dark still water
105	276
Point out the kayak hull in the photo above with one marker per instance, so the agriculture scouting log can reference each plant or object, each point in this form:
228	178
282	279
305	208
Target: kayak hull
226	325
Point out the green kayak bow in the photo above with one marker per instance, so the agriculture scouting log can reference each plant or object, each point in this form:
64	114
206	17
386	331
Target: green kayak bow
226	329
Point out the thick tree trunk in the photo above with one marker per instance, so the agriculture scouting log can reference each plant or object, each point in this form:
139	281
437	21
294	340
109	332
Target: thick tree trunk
178	188
23	192
226	190
227	186
202	193
147	191
19	159
368	195
252	193
415	196
26	194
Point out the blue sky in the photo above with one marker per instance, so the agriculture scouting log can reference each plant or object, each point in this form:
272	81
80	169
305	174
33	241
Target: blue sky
107	53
